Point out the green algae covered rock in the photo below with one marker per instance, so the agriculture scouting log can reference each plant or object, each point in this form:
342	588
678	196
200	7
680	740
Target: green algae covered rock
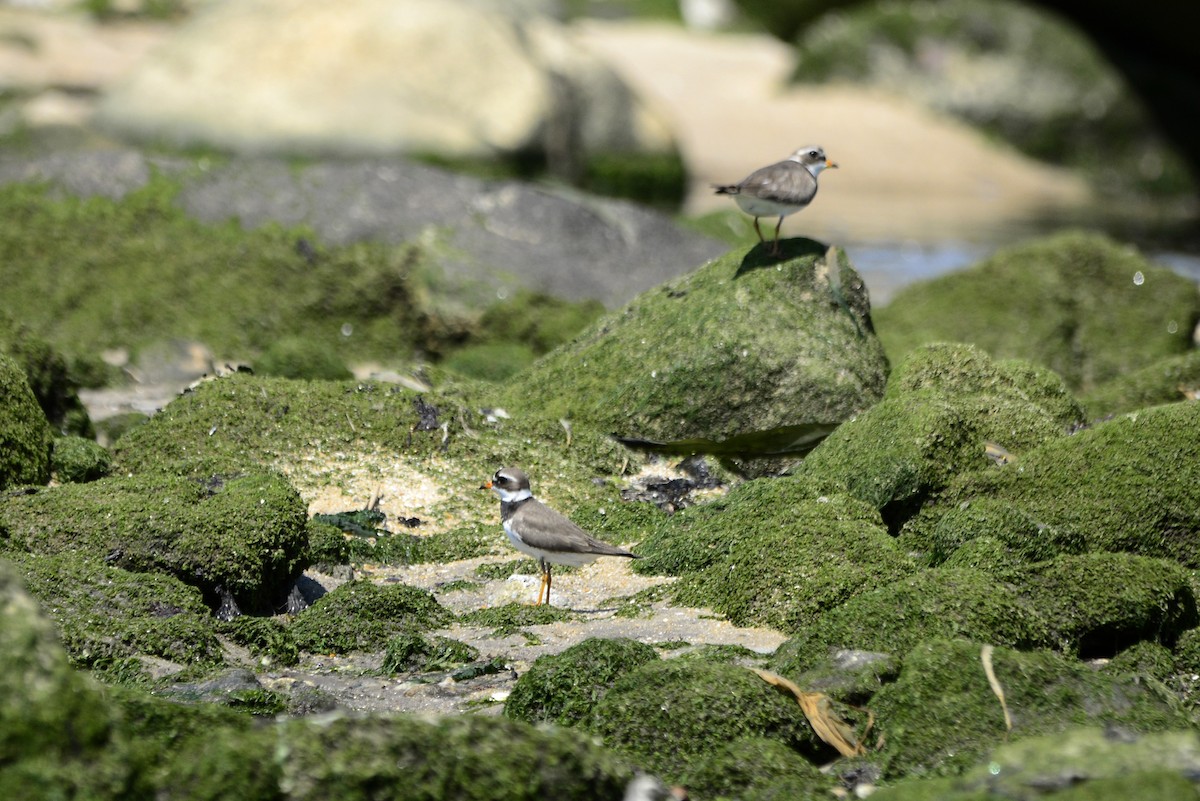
670	715
1097	604
1168	380
773	552
25	436
105	614
79	459
51	378
564	688
361	616
753	767
932	603
1008	532
241	539
940	716
1080	304
741	345
58	736
468	757
1129	484
942	407
1081	763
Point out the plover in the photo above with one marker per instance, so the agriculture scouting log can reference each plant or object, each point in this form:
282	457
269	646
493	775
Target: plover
779	189
537	530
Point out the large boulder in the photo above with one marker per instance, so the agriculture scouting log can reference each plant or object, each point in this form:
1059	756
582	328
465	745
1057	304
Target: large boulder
441	77
743	345
1083	305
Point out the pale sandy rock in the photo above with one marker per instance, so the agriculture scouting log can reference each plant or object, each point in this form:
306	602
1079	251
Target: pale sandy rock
59	51
446	77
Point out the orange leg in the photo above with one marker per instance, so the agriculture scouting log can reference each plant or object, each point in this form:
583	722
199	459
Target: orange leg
545	586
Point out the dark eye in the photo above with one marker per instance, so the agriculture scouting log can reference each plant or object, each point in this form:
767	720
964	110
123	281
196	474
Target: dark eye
813	154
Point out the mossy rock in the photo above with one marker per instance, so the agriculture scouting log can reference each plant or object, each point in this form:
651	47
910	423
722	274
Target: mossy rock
894	618
241	539
787	576
105	614
301	358
1145	659
671	715
1168	380
942	407
1070	302
744	344
50	377
25	436
1078	764
326	544
1098	604
362	616
410	652
490	361
77	459
750	766
564	688
940	716
1129	484
468	757
963	535
58	735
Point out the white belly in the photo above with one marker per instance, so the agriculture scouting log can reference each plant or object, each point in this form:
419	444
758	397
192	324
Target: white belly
765	208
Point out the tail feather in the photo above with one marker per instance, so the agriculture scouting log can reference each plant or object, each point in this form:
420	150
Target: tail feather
727	189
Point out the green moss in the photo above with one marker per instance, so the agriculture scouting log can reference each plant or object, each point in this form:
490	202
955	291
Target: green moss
820	554
1068	302
361	616
54	382
411	652
79	460
1078	763
1099	604
657	179
942	406
509	618
222	760
940	716
105	613
25	438
242	537
536	320
469	757
1145	659
932	603
564	688
490	362
659	369
989	534
326	544
751	765
465	542
1130	484
1165	381
268	640
297	357
139	271
671	715
54	723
